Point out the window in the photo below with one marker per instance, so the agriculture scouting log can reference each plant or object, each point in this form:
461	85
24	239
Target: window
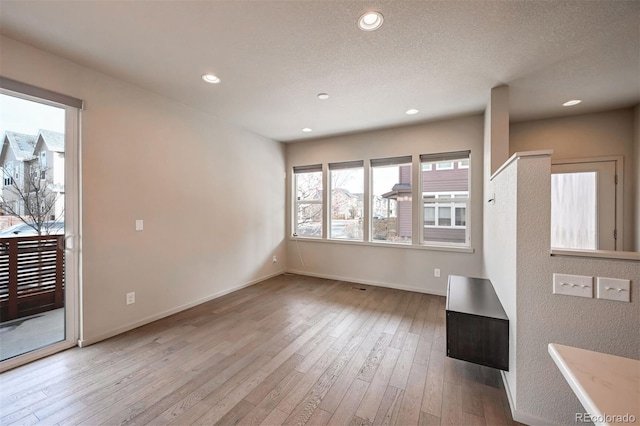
43	165
347	200
308	201
445	198
391	200
445	165
7	173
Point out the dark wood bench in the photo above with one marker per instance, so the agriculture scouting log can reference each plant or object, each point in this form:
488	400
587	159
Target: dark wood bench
477	326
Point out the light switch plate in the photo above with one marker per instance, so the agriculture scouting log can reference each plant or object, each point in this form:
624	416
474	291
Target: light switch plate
614	289
139	224
573	285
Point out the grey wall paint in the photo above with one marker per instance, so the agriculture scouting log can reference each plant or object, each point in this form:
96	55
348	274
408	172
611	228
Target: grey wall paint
636	150
211	195
541	317
376	263
583	136
500	243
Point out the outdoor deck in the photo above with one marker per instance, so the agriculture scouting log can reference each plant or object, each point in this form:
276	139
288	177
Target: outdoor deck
30	333
31	275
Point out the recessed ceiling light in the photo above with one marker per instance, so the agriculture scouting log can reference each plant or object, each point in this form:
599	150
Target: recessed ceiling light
323	96
210	78
307	130
572	102
411	111
370	21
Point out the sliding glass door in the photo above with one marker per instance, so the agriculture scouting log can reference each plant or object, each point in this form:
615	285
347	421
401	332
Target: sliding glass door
38	227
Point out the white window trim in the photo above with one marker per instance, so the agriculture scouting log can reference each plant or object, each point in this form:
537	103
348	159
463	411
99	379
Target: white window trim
461	165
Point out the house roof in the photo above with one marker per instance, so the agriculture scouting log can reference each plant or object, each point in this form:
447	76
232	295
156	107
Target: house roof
21	144
53	140
397	189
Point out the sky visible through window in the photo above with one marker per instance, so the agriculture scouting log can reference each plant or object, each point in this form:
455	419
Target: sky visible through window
22	116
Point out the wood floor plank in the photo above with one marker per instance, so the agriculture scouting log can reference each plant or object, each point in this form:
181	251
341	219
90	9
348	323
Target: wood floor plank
389	407
412	400
319	418
433	387
268	404
347	408
451	404
403	366
291	349
427	419
276	417
372	398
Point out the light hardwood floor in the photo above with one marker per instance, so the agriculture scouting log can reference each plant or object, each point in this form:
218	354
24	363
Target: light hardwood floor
290	350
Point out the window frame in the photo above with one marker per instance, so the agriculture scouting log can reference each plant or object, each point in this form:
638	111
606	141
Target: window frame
418	164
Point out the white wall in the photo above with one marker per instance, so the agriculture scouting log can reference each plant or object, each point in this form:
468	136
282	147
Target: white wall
582	136
408	268
211	196
542	395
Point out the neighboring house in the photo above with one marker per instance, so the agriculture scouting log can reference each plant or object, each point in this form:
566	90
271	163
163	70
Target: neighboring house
23	155
49	159
445	221
346	205
16	152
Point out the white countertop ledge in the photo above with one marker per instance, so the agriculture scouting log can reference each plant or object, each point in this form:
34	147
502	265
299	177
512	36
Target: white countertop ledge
608	386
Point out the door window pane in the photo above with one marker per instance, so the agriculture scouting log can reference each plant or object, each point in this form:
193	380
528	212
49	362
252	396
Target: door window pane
574	210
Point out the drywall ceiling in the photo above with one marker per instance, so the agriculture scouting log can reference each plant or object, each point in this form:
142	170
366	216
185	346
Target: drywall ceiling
274	57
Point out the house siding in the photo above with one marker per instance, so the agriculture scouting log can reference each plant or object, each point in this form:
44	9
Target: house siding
445	180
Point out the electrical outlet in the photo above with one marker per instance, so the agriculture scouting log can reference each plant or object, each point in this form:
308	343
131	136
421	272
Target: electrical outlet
436	272
275	259
131	298
573	285
139	224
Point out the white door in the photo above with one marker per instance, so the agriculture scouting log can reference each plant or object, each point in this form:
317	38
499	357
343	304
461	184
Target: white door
583	205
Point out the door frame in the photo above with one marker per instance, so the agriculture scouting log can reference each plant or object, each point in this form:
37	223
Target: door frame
619	204
73	217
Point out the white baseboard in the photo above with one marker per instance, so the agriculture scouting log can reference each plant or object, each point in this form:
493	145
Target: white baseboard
369	282
160	315
519	416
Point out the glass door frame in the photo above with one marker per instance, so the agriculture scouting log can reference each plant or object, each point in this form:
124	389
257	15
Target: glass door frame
72	230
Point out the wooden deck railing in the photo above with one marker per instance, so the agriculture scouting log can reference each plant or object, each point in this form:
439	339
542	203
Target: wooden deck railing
31	275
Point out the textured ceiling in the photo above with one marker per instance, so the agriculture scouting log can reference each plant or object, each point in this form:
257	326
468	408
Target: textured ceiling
275	57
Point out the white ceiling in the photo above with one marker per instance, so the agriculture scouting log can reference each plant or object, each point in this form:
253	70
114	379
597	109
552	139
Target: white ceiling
274	57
